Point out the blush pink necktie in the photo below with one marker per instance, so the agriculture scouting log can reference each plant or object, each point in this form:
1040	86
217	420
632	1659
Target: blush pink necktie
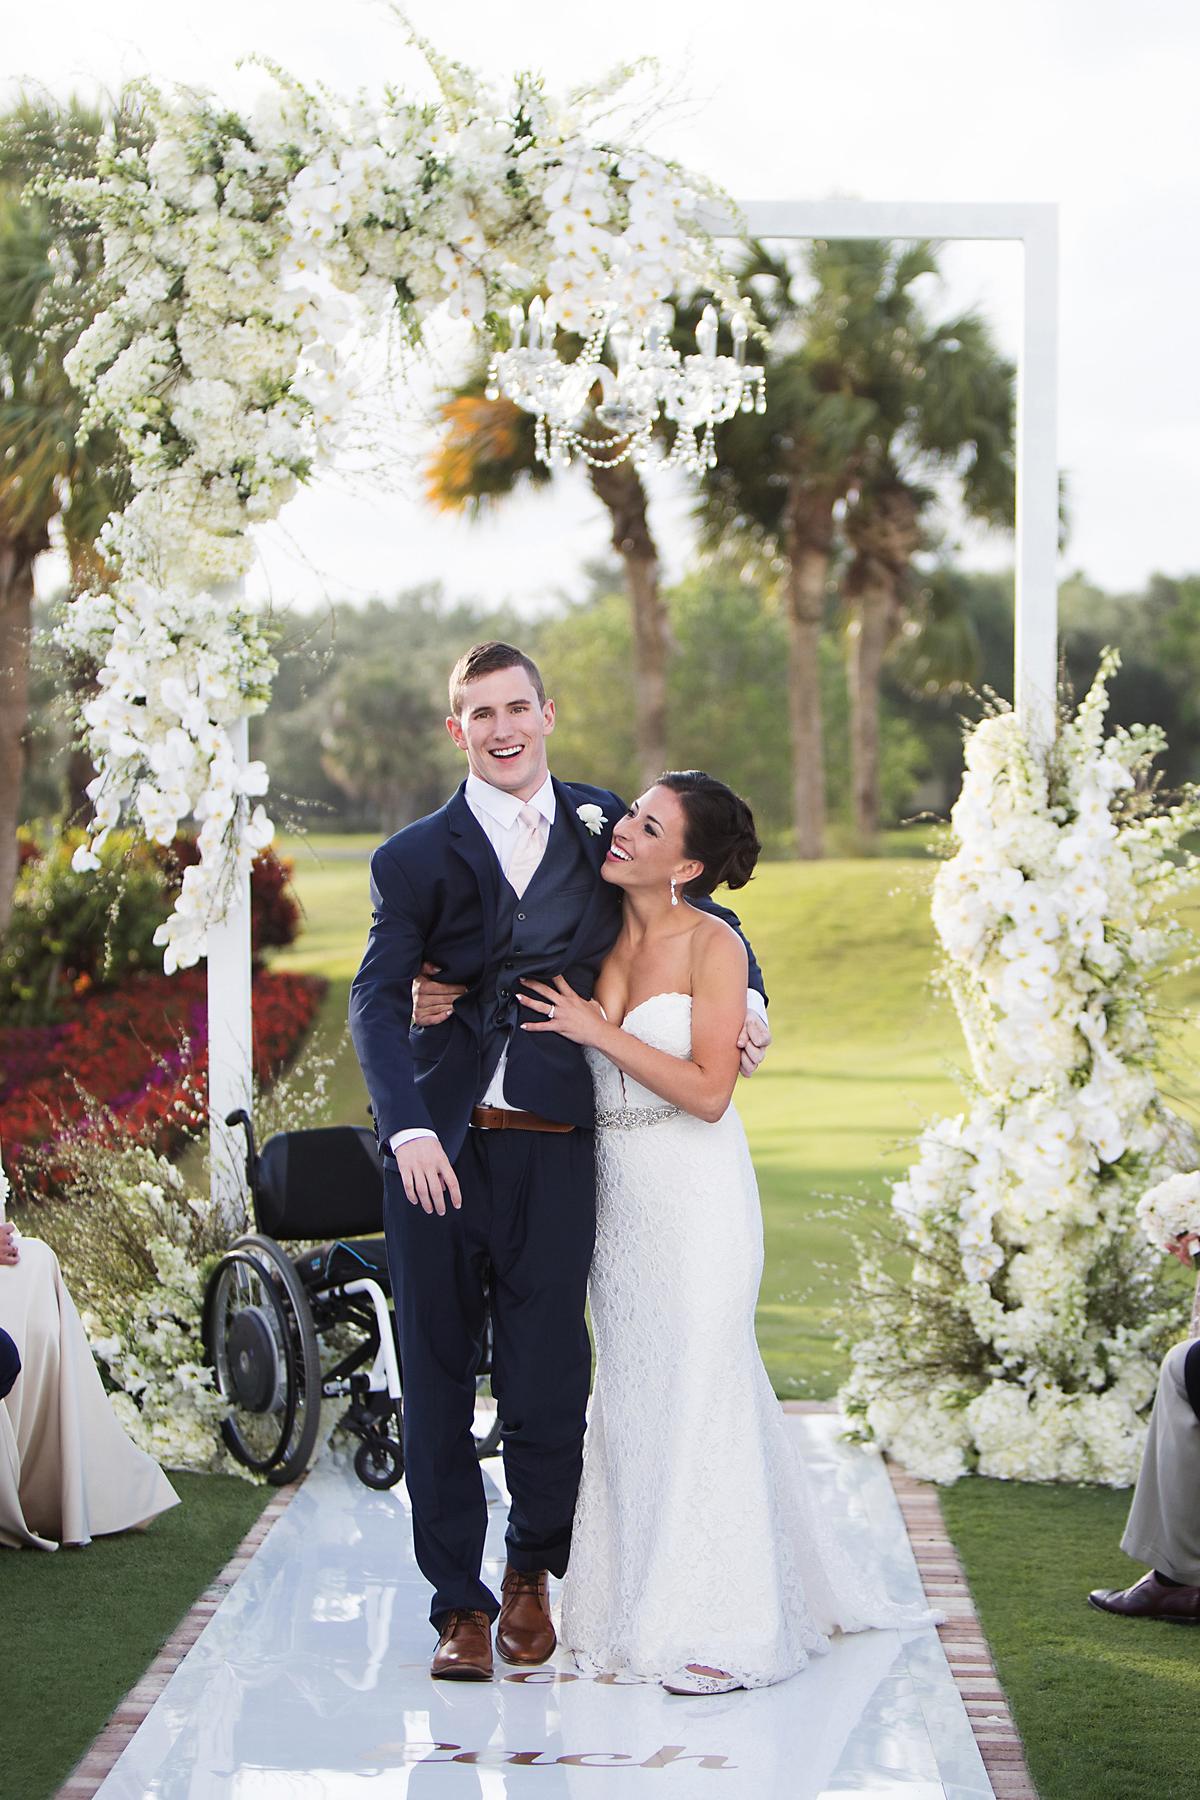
527	852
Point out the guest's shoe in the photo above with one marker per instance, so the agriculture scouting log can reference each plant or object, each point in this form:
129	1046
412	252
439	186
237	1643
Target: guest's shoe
696	1679
1150	1598
525	1630
464	1651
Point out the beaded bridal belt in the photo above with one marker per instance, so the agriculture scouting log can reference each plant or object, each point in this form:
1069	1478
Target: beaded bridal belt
629	1118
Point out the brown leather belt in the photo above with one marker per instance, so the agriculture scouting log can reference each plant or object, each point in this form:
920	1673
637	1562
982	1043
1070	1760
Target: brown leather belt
500	1118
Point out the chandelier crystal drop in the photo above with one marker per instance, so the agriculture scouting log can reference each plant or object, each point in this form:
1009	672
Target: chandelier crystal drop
648	379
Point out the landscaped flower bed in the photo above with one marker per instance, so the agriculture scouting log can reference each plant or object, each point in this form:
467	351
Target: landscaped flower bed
142	1051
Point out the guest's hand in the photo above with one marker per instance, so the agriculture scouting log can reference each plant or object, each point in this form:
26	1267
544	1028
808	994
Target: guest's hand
1183	1248
564	1011
10	1250
433	1001
753	1042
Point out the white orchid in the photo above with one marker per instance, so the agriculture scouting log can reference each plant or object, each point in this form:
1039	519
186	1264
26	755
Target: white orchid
1050	919
245	256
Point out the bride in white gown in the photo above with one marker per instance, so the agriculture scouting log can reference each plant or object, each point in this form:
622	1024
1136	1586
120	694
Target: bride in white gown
698	1558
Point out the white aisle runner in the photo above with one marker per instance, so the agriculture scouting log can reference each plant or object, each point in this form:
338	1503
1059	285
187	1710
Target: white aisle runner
311	1683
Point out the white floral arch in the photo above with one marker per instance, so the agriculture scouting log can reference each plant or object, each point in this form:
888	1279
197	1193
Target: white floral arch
241	252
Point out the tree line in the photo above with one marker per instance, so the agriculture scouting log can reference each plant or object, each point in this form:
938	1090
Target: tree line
355	741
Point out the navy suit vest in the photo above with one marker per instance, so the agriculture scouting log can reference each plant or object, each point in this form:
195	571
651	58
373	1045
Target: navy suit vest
532	935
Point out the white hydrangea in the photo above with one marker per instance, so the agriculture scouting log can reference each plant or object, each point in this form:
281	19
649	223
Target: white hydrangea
1171	1208
1049	914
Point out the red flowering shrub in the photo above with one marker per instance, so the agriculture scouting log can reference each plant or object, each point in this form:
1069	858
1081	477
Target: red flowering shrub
142	1051
74	931
274	910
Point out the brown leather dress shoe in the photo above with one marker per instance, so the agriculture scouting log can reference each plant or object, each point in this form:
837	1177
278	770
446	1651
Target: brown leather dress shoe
1150	1598
464	1651
525	1630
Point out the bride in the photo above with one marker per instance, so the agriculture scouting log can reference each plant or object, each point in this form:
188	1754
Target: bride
698	1559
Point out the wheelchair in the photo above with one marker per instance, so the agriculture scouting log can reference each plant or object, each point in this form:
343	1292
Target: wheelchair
266	1311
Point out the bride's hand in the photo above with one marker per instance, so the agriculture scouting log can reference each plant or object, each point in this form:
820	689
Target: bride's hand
564	1011
1183	1248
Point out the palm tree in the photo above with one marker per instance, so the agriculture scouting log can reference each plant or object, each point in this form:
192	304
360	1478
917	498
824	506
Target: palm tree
48	290
943	407
487	452
779	482
865	396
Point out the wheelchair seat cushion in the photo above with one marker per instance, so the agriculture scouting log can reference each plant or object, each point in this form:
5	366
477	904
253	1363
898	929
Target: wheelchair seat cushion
354	1259
319	1184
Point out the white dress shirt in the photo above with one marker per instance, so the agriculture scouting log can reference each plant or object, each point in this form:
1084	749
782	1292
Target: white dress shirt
499	815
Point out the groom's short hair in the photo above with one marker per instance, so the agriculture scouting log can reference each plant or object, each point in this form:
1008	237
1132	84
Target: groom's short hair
488	659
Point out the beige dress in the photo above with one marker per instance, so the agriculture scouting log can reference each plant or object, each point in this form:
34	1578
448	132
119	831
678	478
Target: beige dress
68	1472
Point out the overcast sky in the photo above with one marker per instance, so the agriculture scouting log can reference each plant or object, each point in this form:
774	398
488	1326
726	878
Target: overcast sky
1089	103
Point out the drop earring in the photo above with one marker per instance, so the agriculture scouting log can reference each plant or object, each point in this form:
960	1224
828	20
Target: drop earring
674	895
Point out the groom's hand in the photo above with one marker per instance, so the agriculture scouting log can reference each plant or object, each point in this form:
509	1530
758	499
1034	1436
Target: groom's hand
753	1042
428	1175
433	1001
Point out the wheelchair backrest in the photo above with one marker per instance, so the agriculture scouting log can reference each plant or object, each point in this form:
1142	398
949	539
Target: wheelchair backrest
319	1184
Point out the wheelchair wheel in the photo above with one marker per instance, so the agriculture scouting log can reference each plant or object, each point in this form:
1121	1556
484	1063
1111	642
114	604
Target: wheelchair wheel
378	1462
260	1341
486	1426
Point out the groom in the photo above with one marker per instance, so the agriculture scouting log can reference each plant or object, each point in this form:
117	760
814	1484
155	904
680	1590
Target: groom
487	1141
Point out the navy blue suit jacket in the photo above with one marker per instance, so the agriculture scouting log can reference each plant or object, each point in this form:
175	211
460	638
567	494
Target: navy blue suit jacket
434	891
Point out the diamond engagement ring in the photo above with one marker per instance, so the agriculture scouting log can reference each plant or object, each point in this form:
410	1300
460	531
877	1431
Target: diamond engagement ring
550	1014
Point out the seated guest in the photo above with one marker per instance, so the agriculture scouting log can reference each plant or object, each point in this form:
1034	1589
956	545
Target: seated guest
68	1472
10	1364
1163	1528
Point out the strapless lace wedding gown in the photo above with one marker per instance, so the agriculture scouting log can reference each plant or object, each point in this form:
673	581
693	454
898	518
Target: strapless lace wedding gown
695	1536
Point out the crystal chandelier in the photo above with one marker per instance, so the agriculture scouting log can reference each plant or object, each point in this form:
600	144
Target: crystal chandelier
651	379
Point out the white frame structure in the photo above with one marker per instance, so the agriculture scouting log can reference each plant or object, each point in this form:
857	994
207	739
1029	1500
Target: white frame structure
1035	228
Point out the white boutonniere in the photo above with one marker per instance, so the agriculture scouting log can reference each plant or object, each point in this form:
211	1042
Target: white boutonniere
592	817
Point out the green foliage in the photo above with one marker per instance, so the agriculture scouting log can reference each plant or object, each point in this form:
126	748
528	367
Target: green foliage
70	932
585	658
865	386
727	699
356	726
50	288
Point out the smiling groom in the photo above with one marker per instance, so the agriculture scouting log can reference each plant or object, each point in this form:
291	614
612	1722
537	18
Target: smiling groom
486	1134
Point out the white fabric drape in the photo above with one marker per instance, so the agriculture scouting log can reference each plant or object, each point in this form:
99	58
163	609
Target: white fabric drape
68	1472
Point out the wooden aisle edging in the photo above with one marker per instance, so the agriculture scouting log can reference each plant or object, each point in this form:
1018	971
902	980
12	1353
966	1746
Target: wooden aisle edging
98	1759
962	1636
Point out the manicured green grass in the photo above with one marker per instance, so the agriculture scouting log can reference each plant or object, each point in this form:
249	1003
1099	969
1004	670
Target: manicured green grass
80	1626
1106	1706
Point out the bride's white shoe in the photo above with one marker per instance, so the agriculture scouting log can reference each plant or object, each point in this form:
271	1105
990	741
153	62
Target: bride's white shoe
693	1679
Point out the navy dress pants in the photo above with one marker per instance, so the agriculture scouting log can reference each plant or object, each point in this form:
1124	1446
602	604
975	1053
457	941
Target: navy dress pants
525	1234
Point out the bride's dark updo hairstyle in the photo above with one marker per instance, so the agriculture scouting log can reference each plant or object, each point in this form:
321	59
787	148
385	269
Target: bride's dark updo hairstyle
718	830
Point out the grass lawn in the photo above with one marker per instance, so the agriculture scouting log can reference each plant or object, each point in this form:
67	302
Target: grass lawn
1106	1705
80	1626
